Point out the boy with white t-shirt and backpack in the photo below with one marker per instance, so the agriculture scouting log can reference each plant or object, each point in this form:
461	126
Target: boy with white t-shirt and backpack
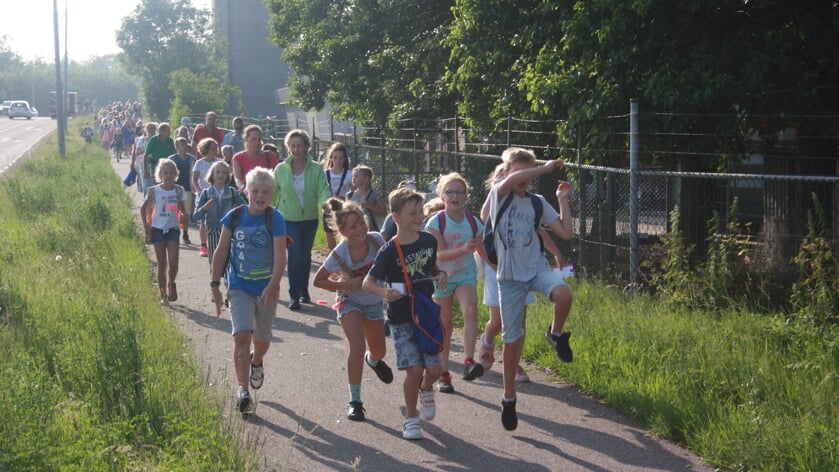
521	264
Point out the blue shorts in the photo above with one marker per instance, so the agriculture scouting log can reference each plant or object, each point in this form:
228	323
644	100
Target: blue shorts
374	312
248	313
491	289
164	235
407	348
512	298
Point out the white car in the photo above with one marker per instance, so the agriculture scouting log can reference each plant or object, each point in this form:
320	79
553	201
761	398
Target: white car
34	112
20	109
4	107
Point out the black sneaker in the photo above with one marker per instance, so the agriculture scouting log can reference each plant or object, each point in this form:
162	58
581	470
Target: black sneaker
294	305
561	345
381	369
355	411
472	370
243	400
186	238
306	299
508	415
444	385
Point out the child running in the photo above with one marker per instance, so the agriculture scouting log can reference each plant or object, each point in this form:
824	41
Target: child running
420	258
458	235
521	265
254	237
165	201
216	201
359	312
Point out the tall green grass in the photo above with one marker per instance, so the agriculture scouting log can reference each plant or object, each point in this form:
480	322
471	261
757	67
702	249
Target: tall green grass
744	391
95	376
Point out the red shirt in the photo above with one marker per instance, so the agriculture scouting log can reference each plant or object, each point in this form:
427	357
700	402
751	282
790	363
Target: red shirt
247	163
202	132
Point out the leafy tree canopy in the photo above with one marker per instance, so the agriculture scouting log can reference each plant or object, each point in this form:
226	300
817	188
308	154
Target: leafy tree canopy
162	36
372	60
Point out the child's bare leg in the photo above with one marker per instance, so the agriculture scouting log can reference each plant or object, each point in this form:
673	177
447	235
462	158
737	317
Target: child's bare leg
410	388
561	296
354	331
511	356
467	298
446	316
173	252
242	357
374	333
162	267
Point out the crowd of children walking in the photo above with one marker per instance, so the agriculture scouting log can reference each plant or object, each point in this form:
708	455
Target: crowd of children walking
258	216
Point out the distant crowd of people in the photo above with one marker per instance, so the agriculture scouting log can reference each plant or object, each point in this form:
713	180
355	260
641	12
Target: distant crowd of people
258	215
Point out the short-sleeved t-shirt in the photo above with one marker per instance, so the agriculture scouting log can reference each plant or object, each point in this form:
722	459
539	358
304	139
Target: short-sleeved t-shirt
157	149
252	250
248	163
516	240
165	206
184	170
420	259
339	184
462	268
202	166
359	268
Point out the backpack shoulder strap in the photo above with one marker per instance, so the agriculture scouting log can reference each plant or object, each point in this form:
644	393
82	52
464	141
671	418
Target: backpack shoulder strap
236	216
268	159
374	242
269	219
537	207
441	221
341	262
474	225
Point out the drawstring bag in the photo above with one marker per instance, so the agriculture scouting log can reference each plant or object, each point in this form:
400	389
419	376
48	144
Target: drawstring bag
428	326
131	178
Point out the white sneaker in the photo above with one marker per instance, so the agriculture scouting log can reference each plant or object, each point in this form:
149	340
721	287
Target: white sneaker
243	400
411	428
427	407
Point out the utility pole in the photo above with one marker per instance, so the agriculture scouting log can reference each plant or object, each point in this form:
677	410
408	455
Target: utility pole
59	93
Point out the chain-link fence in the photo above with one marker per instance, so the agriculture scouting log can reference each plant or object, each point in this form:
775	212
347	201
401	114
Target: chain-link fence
618	231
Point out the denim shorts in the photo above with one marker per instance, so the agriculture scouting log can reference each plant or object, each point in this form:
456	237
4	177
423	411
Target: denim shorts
164	235
248	313
512	298
491	289
407	348
374	312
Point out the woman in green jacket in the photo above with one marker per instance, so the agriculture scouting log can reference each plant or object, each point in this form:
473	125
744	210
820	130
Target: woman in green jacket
300	189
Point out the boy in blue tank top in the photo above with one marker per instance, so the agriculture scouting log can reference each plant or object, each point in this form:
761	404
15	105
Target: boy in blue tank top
254	237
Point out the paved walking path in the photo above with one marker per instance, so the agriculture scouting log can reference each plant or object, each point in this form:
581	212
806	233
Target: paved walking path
300	420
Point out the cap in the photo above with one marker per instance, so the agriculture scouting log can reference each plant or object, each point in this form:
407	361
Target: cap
186	121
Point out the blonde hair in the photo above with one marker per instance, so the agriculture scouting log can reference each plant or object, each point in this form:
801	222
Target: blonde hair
340	210
165	162
401	196
515	155
212	171
495	176
433	206
259	176
449	178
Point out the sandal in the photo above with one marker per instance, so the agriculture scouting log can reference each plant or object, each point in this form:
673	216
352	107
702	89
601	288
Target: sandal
173	292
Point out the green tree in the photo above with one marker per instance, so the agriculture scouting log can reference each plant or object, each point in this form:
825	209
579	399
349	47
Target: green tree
197	93
162	36
372	61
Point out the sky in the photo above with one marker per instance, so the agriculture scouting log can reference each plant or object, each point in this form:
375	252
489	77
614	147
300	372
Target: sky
29	24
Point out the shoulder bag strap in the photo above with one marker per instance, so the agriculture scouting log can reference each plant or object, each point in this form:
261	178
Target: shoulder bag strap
504	206
405	275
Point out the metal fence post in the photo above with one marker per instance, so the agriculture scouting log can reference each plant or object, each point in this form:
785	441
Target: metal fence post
633	194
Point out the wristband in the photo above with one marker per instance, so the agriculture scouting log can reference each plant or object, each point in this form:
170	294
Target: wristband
215	283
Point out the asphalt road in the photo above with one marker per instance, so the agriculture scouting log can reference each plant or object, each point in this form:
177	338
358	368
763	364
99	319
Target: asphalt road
300	424
19	135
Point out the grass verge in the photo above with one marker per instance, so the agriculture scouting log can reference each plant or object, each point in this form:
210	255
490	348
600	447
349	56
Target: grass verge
95	376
